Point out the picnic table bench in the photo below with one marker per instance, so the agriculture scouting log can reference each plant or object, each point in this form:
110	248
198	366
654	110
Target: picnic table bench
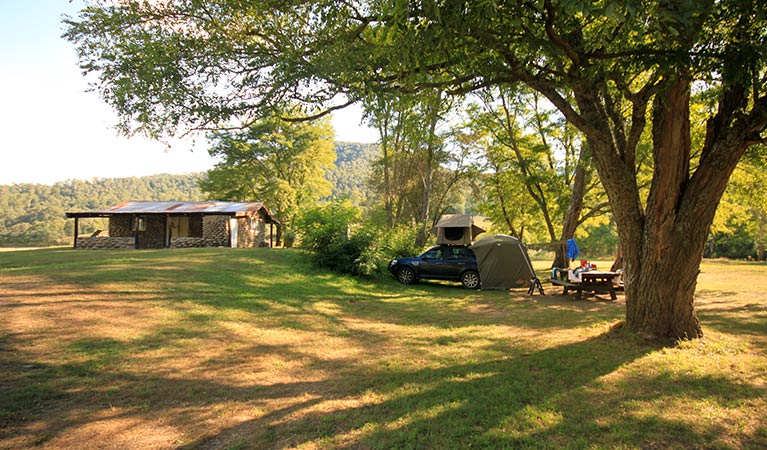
593	281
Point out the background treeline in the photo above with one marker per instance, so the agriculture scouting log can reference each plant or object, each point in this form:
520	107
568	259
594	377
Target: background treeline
33	214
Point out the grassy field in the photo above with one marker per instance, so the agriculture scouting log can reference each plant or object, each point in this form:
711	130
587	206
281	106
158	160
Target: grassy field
234	349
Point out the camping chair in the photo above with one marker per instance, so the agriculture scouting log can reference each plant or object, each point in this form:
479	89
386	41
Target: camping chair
535	283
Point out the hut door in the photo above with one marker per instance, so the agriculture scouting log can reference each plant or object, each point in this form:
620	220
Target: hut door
179	226
233	233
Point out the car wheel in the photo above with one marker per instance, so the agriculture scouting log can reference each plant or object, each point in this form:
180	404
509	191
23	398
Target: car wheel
406	275
470	279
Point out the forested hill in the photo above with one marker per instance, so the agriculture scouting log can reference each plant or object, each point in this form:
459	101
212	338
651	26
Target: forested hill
33	214
352	172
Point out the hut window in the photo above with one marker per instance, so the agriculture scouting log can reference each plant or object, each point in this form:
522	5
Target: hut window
253	223
139	223
195	226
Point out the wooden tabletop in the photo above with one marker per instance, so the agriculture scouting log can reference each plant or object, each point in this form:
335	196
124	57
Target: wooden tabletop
598	274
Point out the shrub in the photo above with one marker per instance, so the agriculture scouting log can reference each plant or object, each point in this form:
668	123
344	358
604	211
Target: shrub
289	238
737	244
329	232
326	233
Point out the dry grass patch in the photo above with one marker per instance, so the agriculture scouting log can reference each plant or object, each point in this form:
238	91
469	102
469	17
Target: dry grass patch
255	349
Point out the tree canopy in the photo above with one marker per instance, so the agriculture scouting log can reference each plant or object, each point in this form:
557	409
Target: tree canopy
614	69
281	163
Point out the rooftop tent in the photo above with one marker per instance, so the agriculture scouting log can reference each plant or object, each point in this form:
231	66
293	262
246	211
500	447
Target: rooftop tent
456	229
503	262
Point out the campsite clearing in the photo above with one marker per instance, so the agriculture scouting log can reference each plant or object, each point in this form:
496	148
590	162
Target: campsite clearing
253	348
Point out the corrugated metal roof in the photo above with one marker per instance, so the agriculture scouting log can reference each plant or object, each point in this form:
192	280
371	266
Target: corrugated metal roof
226	208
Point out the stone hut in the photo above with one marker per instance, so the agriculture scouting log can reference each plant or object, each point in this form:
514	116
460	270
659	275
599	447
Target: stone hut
182	224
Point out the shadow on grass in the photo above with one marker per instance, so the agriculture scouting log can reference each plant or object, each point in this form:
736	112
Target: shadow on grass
459	406
545	397
552	398
284	284
726	317
507	402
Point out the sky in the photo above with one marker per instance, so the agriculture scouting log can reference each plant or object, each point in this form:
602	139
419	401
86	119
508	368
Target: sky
52	129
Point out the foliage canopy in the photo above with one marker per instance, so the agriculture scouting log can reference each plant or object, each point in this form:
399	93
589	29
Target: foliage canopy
274	161
614	69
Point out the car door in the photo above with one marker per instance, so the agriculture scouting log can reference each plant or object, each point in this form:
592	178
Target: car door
431	264
456	261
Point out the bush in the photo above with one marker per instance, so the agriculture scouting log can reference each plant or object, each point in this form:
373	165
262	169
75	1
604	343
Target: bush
735	245
329	232
326	233
289	238
325	225
385	245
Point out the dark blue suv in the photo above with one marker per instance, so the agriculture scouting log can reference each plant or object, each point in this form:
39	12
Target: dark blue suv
443	262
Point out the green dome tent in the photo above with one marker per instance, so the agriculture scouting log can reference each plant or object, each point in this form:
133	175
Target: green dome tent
504	263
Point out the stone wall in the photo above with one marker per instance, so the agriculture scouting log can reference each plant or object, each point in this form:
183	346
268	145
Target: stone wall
189	242
254	236
121	226
154	235
261	234
244	236
215	231
103	242
209	231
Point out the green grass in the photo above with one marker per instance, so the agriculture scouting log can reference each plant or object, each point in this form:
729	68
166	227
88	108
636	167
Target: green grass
227	348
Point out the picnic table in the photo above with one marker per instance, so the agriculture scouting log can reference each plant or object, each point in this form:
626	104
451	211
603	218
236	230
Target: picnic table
595	281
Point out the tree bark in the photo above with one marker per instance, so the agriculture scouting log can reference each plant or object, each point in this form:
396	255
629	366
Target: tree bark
384	132
662	244
618	263
660	301
426	176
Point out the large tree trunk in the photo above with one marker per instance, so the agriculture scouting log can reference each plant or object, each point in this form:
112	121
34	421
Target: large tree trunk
663	243
618	262
660	299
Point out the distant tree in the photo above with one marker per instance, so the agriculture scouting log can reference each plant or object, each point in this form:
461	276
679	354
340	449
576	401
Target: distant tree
392	116
280	163
541	169
422	159
743	211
